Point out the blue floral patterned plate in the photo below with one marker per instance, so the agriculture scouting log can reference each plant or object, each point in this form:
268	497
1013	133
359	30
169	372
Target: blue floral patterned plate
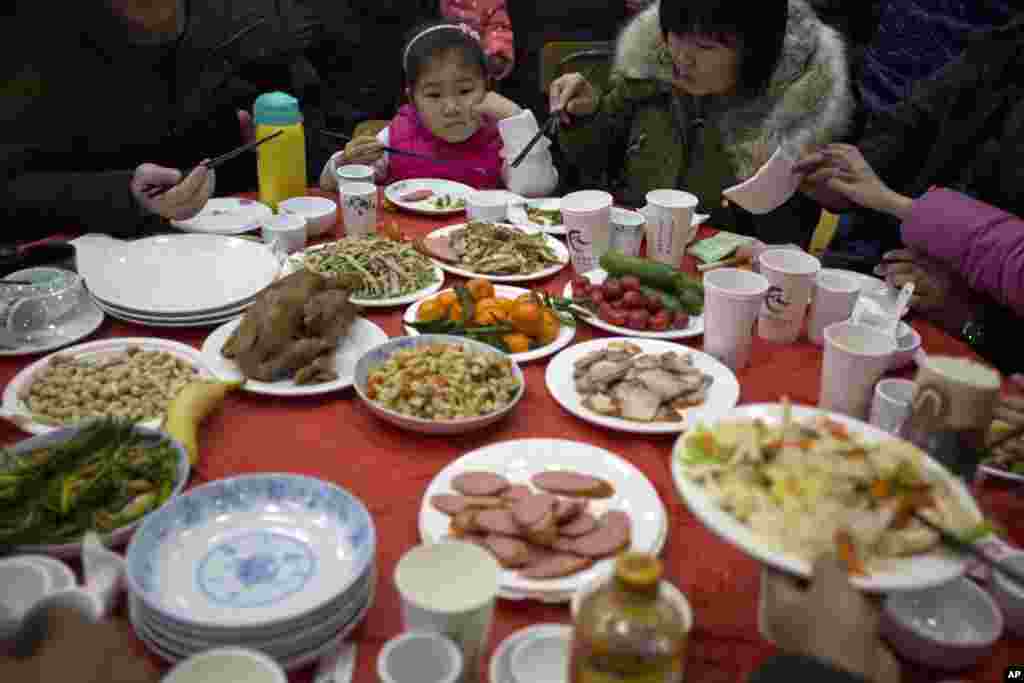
251	551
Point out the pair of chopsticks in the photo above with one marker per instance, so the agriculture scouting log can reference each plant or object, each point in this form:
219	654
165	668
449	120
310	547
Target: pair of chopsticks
217	161
403	152
549	129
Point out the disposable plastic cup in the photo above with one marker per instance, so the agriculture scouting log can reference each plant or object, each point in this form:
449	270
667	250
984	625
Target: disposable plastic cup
834	297
587	218
855	358
732	298
791	275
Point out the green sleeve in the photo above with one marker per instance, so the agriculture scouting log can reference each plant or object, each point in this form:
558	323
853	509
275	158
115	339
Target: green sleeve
589	142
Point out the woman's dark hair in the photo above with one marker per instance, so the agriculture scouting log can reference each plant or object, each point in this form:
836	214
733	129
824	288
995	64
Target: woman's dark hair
758	29
430	40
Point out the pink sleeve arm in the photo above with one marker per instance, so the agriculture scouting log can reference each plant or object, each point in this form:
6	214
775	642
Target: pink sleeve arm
981	242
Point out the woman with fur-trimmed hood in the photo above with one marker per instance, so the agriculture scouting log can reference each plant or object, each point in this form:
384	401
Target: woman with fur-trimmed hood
702	93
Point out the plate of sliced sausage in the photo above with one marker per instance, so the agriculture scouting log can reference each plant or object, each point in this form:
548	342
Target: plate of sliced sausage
553	512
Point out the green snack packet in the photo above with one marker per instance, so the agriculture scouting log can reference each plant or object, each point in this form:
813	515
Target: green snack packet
718	247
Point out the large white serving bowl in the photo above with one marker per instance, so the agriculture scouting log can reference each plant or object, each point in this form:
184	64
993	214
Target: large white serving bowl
10	456
914	572
379	355
251	551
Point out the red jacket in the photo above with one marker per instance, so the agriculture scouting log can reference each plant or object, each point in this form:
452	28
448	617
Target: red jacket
490	20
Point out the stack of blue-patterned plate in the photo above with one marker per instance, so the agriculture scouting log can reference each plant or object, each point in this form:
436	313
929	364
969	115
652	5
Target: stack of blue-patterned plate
275	562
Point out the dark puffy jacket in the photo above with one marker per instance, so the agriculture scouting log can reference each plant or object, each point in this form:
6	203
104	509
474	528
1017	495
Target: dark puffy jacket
85	106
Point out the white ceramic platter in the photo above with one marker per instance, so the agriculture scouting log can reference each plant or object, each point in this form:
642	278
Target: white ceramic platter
85	319
565	332
518	460
898	574
597	276
96	350
226	216
722	396
204	321
560	250
175	274
395	191
295	262
517	214
362	336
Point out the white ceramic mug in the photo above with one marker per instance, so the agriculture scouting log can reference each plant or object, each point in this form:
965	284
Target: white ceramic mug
627	231
670	227
419	657
891	404
285	232
460	609
587	218
487	205
359	208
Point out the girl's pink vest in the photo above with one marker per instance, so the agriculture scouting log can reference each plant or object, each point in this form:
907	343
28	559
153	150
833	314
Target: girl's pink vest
481	151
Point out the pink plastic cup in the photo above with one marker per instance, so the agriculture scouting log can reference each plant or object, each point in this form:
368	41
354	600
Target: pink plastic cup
587	218
791	274
732	298
834	297
855	358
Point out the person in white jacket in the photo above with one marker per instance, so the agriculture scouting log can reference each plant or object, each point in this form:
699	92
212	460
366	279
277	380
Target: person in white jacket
454	126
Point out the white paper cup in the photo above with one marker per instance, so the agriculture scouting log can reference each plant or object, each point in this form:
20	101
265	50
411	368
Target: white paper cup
670	228
732	298
450	587
359	208
891	404
587	218
285	231
855	358
487	205
355	173
791	274
833	300
419	657
627	231
227	664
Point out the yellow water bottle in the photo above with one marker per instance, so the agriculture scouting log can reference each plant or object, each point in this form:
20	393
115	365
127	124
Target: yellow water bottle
282	161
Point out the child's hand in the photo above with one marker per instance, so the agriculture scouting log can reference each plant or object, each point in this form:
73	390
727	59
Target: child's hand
364	149
497	107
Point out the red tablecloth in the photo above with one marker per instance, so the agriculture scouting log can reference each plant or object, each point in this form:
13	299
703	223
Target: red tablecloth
335	438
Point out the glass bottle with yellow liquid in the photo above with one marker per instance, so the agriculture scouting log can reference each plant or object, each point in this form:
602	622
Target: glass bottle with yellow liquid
281	162
625	632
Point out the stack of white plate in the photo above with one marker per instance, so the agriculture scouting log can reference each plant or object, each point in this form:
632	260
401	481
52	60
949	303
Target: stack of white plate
279	563
189	280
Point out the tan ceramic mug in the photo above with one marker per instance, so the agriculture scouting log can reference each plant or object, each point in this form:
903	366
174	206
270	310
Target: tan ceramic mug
953	394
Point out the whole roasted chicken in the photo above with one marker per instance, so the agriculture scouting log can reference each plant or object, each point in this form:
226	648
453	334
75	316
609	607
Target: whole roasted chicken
293	327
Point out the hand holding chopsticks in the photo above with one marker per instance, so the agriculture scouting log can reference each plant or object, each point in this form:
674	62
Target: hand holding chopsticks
403	152
217	161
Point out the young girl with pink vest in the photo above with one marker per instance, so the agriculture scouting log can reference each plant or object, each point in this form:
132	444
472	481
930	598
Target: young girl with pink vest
454	117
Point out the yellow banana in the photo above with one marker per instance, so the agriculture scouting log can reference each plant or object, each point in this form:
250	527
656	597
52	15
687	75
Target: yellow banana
189	408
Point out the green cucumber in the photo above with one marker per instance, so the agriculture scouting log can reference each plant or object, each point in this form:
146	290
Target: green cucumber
651	273
670	302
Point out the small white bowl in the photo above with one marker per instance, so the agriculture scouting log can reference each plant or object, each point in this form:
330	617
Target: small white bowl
908	341
320	213
948	627
1009	595
419	657
542	654
666	590
380	354
227	664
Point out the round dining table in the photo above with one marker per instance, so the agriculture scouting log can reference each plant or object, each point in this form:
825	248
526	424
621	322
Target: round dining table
335	438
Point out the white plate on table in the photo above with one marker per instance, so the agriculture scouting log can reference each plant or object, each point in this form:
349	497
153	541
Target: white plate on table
175	274
198	321
868	283
362	336
12	402
597	276
560	250
226	216
79	323
565	332
900	574
541	651
517	213
295	262
518	460
721	398
438	186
